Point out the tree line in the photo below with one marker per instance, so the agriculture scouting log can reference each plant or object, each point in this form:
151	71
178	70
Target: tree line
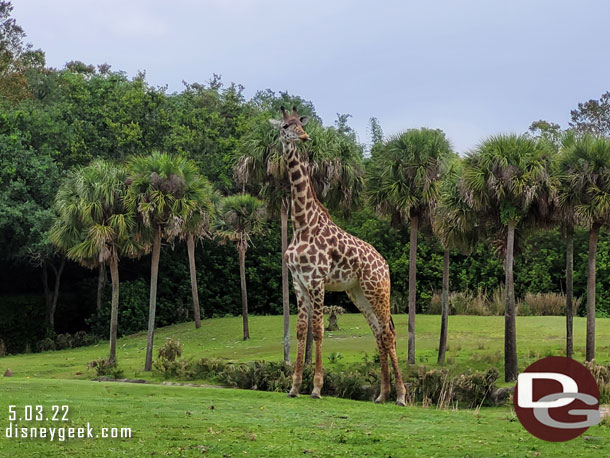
99	167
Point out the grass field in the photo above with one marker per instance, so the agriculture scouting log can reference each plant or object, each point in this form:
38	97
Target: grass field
180	421
475	342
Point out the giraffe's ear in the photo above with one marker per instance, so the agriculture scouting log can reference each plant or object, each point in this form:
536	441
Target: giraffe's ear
275	123
304	120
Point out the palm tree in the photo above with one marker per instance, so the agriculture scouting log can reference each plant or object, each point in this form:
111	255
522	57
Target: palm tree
162	188
507	181
193	228
240	217
94	226
336	169
260	163
567	218
456	226
404	184
585	176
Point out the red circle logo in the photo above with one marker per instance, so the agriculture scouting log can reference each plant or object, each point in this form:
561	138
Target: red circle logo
556	399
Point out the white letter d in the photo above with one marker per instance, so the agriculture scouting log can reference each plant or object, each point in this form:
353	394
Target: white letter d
525	389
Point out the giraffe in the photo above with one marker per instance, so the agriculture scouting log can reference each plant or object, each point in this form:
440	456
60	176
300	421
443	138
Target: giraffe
322	256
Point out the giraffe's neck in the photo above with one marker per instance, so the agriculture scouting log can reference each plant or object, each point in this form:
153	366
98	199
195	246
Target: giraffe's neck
306	210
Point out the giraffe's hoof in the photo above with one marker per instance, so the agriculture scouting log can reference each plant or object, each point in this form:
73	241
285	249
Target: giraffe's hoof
292	394
316	396
380	399
400	402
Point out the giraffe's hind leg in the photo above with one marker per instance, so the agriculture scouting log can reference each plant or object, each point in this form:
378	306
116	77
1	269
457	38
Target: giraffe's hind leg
359	299
374	302
317	299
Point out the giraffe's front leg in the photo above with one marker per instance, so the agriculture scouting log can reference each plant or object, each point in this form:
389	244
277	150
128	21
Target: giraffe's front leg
303	307
317	299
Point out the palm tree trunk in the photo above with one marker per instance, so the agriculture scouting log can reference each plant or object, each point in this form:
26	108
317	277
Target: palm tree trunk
285	290
412	287
244	292
154	273
569	290
442	346
114	314
55	298
593	236
190	246
45	288
511	369
101	283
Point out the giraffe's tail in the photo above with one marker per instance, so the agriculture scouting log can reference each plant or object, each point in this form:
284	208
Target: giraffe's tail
391	323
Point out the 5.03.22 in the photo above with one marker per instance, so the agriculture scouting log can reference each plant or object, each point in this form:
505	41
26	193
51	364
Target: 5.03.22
38	413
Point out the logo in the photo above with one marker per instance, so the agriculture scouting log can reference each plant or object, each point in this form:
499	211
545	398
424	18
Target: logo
556	399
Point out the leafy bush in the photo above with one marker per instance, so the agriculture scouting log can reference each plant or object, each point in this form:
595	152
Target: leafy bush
170	350
466	303
482	303
541	304
475	389
103	367
358	381
601	374
82	339
333	312
334	357
63	341
47	344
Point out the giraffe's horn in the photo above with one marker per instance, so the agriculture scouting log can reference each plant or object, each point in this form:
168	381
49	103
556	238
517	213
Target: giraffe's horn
294	111
284	113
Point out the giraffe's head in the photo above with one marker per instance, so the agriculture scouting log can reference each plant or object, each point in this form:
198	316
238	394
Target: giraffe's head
291	126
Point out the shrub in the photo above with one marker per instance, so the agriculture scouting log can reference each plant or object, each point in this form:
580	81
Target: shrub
46	344
542	304
333	312
63	341
103	367
474	390
170	350
358	381
482	303
334	357
601	374
82	339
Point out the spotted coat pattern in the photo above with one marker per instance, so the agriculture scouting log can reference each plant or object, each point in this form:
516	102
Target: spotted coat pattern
322	256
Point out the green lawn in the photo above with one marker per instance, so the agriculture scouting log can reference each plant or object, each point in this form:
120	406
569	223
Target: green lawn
179	421
475	342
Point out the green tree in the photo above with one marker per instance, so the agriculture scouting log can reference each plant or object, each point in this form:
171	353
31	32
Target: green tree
567	217
28	183
404	184
194	228
94	226
507	181
240	217
593	116
17	58
162	188
585	177
376	133
549	131
456	226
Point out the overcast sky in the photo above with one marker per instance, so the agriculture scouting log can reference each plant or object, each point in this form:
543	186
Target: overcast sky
471	68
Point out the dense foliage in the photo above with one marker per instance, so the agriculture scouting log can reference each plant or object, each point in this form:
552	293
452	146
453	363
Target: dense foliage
53	121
